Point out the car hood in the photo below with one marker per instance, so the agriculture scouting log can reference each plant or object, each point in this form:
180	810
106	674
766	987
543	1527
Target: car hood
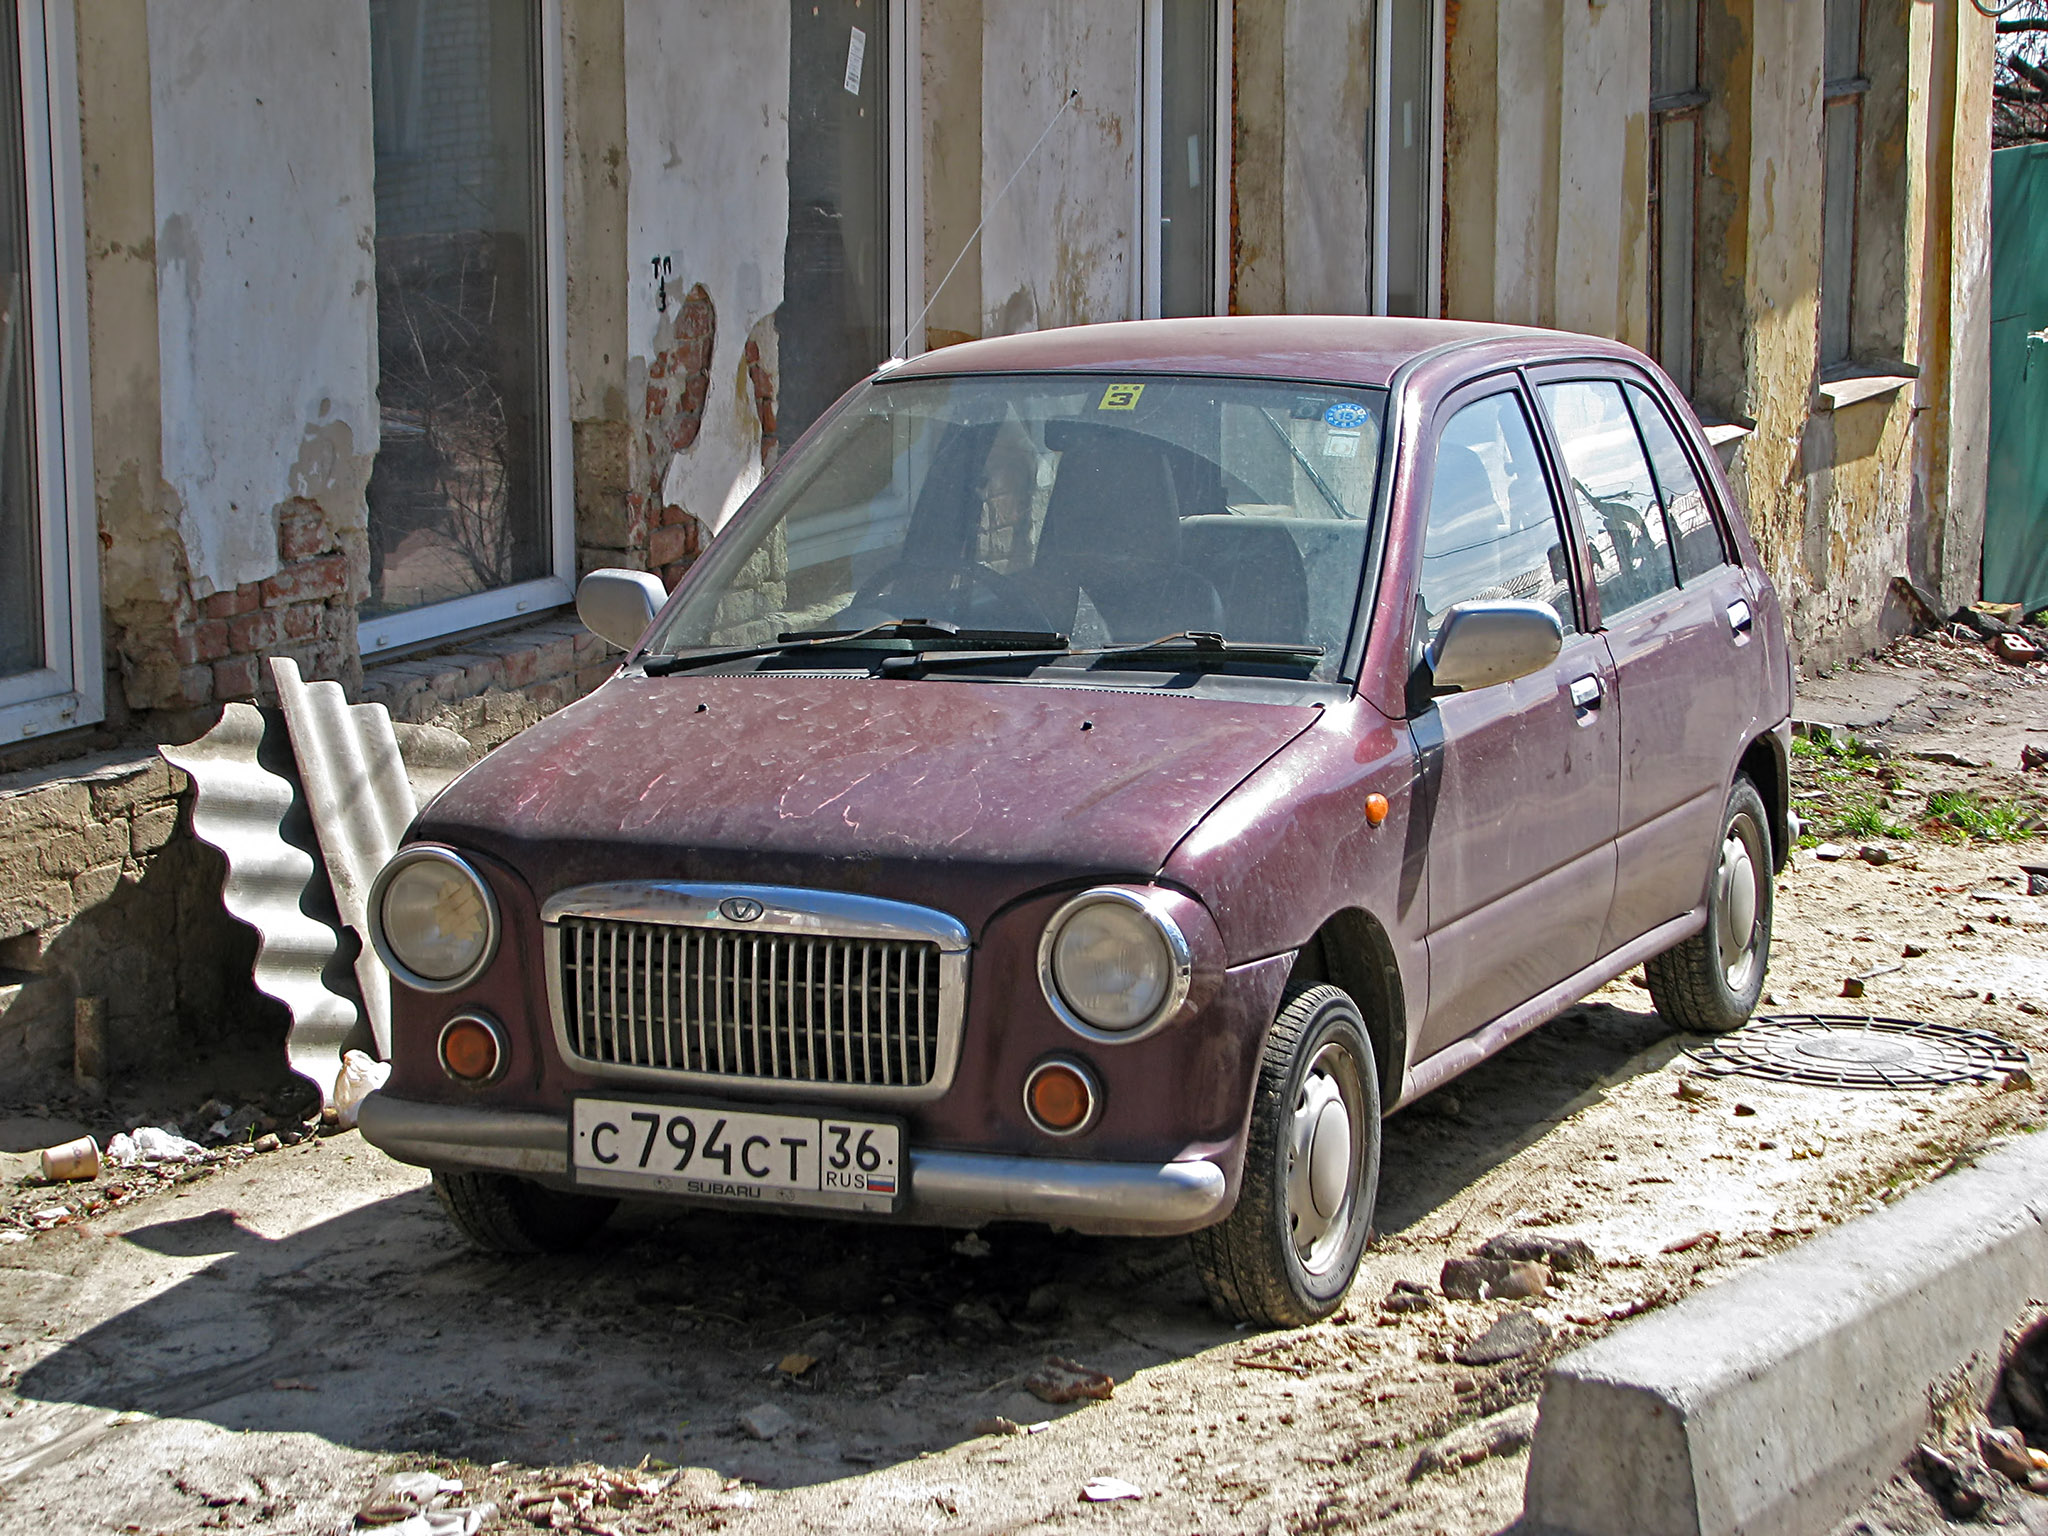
959	796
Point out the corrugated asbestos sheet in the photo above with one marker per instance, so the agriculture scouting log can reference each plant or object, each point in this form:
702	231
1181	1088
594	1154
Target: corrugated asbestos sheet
356	787
241	807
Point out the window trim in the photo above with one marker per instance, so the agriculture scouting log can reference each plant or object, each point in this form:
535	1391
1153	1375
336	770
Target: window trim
1150	297
69	690
1382	148
385	634
905	218
1846	94
1689	105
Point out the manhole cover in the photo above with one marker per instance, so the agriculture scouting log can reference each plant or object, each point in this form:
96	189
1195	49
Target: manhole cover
1859	1051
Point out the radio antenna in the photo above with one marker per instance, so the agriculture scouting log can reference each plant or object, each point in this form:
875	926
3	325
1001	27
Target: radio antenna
903	347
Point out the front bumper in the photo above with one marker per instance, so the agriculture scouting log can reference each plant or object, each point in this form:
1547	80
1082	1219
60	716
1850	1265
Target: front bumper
945	1188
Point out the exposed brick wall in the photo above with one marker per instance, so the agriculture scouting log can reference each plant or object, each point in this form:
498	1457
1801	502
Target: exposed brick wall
306	611
104	892
529	672
678	381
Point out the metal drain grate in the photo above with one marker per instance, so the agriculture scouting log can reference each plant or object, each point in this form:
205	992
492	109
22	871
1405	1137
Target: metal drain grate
1859	1051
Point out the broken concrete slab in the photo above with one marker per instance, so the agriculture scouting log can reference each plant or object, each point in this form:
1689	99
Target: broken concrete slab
1775	1402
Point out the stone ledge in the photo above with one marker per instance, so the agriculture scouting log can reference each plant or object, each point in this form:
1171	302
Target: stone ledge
548	664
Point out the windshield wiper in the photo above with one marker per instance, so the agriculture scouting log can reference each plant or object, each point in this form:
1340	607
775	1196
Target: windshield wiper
927	631
1206	644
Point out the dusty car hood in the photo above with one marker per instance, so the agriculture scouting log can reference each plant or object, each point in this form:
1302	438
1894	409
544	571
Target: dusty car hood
961	796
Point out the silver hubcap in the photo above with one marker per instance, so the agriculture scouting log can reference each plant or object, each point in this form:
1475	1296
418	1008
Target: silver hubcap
1736	905
1323	1151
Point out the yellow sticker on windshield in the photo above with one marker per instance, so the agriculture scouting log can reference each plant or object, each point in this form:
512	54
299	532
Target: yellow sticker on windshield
1121	397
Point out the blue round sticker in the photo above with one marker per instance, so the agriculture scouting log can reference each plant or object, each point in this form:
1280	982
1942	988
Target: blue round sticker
1346	416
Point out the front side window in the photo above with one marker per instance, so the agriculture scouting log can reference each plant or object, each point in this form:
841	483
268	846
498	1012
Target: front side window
1105	510
1619	513
461	500
1493	531
48	575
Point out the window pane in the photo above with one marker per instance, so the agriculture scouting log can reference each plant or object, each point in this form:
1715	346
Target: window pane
459	496
1674	46
21	555
1187	159
1493	530
1410	153
1676	143
1616	499
1842	57
1695	536
1838	230
833	326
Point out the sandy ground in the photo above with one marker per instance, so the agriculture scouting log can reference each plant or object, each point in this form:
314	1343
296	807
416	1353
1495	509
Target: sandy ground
253	1347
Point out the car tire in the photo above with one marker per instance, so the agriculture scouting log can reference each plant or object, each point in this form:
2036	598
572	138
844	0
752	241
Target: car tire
1287	1253
502	1213
1710	983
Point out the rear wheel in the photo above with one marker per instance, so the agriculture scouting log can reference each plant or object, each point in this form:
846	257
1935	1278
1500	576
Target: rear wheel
1287	1254
1710	983
502	1213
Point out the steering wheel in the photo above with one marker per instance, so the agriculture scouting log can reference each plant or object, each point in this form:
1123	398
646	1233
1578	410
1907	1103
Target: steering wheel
990	599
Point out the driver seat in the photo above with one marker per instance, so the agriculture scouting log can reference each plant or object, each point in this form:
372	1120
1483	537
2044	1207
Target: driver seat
1112	529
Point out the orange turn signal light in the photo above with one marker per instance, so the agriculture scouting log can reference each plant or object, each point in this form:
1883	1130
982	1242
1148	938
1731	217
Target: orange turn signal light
1060	1097
472	1049
1375	809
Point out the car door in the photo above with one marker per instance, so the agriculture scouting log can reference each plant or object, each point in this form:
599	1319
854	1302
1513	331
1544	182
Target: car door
1518	779
1676	614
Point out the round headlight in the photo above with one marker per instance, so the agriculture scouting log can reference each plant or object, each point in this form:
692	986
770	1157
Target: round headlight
433	919
1110	962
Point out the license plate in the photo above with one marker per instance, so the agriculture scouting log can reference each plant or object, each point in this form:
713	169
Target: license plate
830	1161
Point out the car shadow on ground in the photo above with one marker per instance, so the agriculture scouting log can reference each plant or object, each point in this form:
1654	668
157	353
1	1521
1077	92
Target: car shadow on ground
378	1329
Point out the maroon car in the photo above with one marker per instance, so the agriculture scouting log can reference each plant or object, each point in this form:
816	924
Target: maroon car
1096	777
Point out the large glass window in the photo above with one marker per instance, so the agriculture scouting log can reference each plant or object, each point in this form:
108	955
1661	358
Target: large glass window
1676	101
1409	56
1106	511
22	643
1184	154
1842	135
461	497
49	569
833	326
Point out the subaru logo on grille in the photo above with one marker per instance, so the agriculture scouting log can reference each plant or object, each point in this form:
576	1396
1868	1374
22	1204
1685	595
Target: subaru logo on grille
740	909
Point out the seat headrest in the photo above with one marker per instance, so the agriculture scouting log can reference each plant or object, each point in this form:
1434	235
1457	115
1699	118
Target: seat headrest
1112	498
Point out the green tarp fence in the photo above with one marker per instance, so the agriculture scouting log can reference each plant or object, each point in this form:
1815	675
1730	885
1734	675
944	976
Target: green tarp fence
2016	515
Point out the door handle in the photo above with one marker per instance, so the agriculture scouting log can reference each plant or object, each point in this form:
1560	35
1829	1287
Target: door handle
1586	692
1739	617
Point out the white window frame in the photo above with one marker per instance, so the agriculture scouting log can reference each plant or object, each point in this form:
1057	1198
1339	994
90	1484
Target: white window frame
69	690
1383	149
387	633
1149	298
906	179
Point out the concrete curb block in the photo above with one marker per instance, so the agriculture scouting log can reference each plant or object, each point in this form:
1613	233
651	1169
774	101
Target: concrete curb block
1772	1404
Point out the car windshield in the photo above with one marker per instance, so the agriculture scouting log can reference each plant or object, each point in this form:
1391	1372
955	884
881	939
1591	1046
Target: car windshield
1076	511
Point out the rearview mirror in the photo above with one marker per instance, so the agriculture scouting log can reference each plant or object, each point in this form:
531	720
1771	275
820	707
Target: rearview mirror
1481	643
619	605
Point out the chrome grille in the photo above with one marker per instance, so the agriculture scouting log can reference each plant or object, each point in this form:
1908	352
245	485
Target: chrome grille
776	1007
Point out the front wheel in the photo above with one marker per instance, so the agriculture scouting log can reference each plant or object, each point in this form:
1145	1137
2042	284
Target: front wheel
502	1213
1287	1254
1710	983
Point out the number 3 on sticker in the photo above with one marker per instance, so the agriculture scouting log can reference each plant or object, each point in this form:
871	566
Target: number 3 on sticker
1121	397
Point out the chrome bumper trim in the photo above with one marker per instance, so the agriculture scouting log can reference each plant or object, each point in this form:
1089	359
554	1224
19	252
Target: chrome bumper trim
946	1188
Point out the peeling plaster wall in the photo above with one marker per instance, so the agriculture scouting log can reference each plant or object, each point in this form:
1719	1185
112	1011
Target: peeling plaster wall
266	306
1061	249
1603	177
707	135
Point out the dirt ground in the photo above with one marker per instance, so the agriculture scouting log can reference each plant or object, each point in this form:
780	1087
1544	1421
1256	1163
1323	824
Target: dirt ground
254	1345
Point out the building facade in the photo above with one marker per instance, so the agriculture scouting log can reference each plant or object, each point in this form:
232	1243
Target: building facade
356	331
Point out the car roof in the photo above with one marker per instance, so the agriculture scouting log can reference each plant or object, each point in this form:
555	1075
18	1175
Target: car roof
1356	349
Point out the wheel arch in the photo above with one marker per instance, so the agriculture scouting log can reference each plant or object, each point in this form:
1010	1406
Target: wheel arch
1763	763
1351	950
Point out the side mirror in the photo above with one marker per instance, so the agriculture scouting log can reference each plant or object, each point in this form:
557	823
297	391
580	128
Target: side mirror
1481	643
619	605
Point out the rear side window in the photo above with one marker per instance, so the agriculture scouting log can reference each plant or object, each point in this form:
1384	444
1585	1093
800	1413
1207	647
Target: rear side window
1614	493
1493	529
1694	533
